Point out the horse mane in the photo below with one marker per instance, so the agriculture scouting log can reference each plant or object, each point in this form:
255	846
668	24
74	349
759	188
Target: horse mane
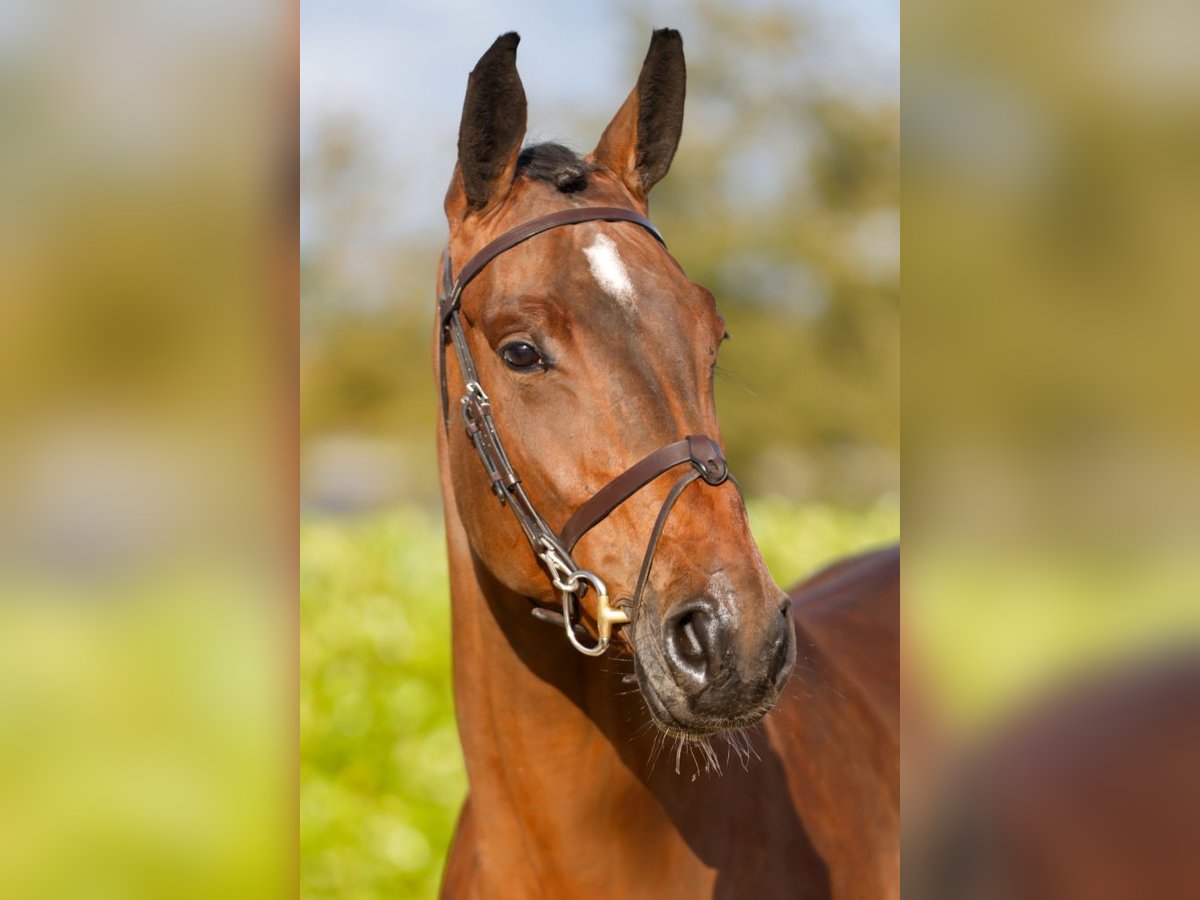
555	165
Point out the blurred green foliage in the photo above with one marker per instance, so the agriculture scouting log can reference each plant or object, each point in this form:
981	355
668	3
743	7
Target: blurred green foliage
1050	214
381	772
382	775
142	737
990	630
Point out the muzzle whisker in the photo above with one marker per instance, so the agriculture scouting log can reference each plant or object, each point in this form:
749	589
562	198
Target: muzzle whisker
739	742
643	728
714	763
660	742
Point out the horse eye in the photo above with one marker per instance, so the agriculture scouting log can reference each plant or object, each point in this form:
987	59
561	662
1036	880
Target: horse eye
521	356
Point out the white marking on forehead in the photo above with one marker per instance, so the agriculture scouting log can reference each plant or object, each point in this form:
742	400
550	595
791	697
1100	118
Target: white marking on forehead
605	262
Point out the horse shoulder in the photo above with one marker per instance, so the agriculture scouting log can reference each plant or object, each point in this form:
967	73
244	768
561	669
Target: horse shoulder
837	726
851	611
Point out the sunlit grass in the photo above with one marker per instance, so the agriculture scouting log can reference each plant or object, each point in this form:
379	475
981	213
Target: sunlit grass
143	737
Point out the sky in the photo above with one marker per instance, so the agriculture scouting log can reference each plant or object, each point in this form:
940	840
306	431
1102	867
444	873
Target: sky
399	69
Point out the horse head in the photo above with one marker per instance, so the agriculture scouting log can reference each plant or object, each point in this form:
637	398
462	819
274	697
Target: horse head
590	350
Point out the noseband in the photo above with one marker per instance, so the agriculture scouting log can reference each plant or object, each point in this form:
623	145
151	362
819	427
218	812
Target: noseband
554	549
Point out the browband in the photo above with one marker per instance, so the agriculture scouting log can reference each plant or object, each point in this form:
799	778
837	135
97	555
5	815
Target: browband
452	292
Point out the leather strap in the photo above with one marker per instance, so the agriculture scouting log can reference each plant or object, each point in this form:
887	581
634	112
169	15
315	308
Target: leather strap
659	523
447	287
698	449
523	232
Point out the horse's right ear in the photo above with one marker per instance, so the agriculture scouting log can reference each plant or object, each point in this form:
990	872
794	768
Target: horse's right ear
491	130
639	143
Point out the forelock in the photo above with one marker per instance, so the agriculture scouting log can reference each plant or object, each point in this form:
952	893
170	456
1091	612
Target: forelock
555	165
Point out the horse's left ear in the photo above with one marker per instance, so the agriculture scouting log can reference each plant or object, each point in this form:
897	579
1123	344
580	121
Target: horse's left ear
639	143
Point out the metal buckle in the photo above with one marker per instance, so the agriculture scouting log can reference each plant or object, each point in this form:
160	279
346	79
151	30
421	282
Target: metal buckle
707	459
477	399
557	566
606	616
572	584
475	405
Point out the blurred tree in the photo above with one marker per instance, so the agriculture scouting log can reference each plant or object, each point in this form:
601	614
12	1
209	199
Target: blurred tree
784	200
365	304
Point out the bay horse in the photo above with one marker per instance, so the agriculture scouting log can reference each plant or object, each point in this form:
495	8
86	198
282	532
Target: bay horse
575	362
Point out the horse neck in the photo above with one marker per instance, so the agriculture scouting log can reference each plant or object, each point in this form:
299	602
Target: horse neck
530	708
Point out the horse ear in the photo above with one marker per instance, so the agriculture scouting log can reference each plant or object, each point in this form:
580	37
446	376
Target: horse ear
492	127
639	143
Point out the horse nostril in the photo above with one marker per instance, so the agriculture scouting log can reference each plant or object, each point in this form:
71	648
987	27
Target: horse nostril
690	646
692	640
781	661
779	664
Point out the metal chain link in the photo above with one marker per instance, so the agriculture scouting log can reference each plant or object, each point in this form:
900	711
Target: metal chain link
557	566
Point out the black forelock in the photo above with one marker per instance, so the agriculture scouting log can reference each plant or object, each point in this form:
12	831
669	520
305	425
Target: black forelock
554	164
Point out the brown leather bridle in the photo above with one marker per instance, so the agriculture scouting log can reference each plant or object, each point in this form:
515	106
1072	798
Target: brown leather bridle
554	548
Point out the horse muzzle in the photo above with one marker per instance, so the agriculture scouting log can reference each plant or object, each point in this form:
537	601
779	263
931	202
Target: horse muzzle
703	667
